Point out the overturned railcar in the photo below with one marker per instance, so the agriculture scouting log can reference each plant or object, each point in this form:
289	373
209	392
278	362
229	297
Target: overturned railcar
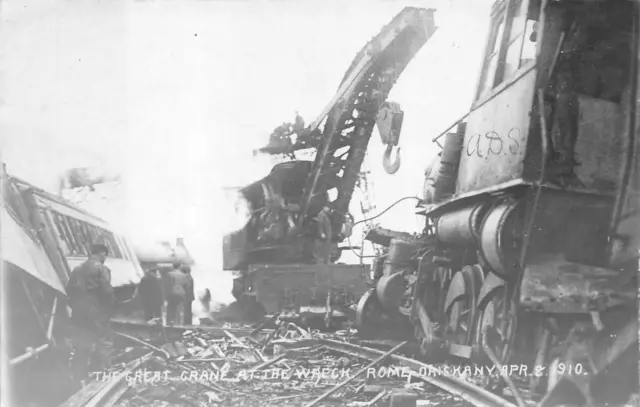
43	238
71	231
532	235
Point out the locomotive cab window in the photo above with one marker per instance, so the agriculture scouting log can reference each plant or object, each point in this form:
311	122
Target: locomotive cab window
512	42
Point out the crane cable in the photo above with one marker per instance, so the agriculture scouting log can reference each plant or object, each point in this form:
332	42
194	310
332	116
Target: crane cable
375	217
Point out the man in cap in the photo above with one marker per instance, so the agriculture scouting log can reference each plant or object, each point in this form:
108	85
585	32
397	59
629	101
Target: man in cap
176	295
151	295
190	296
91	299
205	299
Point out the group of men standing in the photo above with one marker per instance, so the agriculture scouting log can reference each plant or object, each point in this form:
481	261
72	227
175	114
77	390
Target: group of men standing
174	288
92	301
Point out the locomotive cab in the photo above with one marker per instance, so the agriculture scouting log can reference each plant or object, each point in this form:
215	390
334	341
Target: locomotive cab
554	104
551	127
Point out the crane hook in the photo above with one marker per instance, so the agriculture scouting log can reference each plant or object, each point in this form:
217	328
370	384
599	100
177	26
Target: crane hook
391	167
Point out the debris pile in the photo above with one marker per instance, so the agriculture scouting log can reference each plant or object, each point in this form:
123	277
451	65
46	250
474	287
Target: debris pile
231	366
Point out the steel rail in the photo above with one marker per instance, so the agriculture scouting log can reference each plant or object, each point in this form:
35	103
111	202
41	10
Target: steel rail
106	393
471	393
212	330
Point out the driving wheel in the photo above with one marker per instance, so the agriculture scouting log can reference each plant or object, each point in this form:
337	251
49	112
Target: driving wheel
370	318
499	321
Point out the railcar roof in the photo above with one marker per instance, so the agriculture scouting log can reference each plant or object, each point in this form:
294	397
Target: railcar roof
57	199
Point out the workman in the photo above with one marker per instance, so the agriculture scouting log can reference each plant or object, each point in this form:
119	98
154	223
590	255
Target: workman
176	295
298	125
91	298
205	299
151	295
190	296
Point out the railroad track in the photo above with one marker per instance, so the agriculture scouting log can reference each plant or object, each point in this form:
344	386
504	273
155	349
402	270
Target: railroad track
107	394
469	392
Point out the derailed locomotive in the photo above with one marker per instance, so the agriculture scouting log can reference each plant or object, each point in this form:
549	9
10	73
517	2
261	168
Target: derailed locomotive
532	234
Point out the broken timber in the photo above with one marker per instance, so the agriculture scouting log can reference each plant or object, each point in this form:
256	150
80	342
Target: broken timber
467	391
102	393
143	343
216	331
361	371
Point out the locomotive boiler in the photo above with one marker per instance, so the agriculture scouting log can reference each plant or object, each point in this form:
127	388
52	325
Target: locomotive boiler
532	227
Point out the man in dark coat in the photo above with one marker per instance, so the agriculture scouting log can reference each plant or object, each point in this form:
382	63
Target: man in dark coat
190	296
176	295
205	299
91	299
151	295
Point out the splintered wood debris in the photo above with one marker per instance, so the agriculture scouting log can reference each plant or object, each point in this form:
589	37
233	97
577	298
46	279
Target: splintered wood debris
287	366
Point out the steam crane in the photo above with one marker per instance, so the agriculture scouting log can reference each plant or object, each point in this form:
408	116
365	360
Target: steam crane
300	211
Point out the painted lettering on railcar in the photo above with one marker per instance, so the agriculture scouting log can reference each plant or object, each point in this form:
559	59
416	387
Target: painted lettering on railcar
493	143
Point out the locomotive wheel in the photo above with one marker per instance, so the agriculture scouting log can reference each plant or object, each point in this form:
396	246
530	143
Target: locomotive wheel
369	314
460	314
391	290
499	320
440	283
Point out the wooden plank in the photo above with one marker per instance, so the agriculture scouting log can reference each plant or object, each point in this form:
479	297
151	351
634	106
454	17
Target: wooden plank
106	392
83	395
212	330
358	373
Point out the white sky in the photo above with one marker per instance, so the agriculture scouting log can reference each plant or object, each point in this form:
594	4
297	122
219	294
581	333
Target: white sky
176	94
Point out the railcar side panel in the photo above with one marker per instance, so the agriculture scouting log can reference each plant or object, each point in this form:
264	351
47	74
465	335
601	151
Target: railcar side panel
495	141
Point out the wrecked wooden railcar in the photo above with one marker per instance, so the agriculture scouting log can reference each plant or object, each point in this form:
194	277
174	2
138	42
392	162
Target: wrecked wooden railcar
43	238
